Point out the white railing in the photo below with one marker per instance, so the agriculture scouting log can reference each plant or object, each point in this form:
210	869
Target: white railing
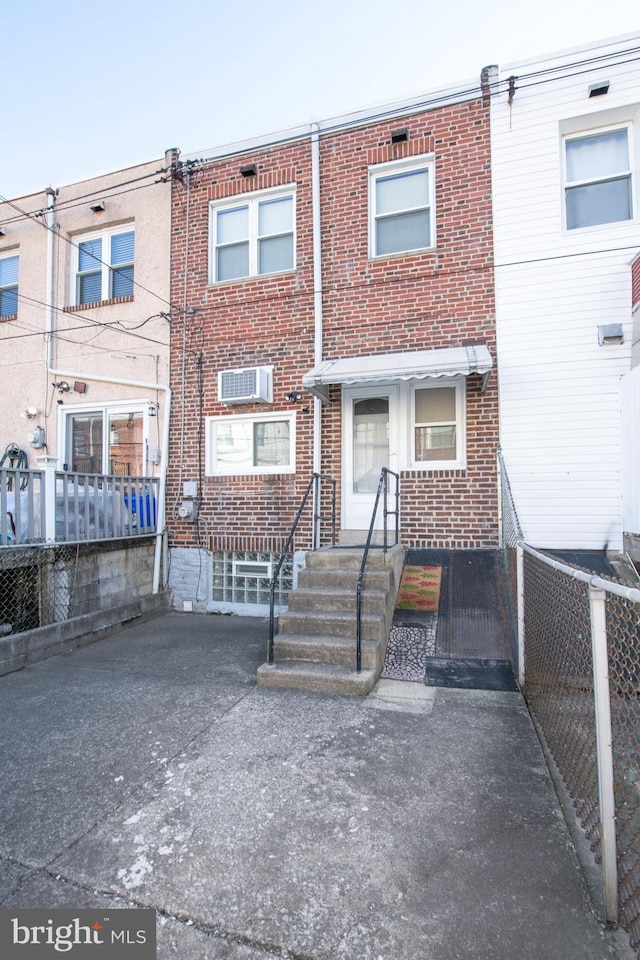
48	506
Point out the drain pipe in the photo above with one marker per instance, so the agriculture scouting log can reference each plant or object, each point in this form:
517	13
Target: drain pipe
51	193
317	313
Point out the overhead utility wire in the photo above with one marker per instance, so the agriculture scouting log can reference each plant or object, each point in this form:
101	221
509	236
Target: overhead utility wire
37	217
91	322
418	105
75	201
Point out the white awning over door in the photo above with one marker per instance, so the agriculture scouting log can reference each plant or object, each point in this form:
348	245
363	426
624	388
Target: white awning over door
413	365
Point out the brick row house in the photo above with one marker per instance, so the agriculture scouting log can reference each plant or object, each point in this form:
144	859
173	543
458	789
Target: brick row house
337	316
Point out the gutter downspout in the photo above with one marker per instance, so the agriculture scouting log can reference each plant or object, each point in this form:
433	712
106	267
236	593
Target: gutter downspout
317	307
51	193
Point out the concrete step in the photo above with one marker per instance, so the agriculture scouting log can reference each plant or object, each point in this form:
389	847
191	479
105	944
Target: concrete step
335	600
318	677
326	649
342	624
339	577
350	558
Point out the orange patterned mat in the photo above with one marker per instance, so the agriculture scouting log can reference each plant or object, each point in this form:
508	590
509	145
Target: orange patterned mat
419	589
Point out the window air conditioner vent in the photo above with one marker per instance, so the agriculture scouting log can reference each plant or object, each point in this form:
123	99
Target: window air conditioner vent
250	385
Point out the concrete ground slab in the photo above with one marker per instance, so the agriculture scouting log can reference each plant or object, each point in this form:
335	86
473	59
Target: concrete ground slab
150	770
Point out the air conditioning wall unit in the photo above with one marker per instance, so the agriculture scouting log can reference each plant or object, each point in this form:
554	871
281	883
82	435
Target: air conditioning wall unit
247	385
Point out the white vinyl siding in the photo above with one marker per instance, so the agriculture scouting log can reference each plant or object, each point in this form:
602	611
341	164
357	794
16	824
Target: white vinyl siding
252	236
559	390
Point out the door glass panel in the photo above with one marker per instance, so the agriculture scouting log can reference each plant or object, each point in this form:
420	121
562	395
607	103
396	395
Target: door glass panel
370	442
125	445
86	443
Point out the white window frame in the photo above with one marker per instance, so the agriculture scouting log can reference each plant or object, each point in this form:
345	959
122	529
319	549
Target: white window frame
383	170
108	408
104	264
252	202
212	467
11	286
628	174
459	384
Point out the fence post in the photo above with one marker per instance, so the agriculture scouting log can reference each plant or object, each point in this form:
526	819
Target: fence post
520	583
604	742
49	465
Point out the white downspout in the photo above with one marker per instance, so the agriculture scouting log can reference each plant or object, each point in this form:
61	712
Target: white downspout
51	193
317	297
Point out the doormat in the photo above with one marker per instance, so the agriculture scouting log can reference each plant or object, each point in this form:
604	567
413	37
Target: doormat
419	589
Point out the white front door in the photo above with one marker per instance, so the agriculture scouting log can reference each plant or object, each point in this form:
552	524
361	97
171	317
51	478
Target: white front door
370	433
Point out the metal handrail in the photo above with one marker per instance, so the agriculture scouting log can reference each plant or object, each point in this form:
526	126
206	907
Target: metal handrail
383	486
316	535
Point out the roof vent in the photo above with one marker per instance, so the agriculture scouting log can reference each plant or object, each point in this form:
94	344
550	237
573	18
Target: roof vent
599	89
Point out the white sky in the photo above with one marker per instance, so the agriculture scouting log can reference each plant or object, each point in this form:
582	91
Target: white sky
90	89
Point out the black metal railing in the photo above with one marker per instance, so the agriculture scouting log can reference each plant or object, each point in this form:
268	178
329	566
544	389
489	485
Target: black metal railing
383	489
313	487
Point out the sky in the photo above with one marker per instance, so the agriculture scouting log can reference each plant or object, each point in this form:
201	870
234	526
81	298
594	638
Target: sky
93	89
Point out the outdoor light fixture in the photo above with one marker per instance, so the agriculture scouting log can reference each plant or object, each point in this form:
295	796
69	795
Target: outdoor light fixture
294	396
249	170
61	386
29	413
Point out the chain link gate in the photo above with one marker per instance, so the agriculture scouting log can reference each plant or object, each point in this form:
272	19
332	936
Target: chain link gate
37	586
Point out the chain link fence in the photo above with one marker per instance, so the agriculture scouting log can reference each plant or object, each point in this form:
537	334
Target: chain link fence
562	697
36	586
511	536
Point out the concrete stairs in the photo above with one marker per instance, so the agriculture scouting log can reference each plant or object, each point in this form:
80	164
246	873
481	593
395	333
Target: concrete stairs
315	647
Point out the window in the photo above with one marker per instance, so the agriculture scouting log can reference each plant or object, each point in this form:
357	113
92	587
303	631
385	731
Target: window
438	426
110	440
262	443
598	179
8	287
104	267
401	208
252	237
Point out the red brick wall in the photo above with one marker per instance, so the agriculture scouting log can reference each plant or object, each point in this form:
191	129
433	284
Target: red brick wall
419	301
635	282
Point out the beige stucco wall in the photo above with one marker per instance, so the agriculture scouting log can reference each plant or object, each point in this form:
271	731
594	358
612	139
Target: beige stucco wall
94	342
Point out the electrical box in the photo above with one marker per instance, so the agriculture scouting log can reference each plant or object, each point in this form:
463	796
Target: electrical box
36	437
188	511
190	488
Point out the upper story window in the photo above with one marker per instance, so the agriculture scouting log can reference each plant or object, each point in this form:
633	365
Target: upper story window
598	178
104	267
252	236
8	286
401	207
